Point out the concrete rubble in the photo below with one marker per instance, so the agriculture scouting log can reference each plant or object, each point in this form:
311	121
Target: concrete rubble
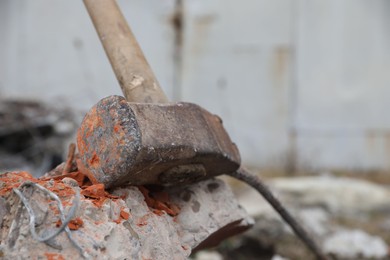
135	224
127	223
353	244
33	135
347	216
340	196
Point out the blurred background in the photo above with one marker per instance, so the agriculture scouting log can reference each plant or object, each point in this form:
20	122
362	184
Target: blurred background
299	84
302	86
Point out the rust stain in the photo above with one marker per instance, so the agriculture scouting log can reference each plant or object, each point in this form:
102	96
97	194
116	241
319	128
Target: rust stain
117	128
98	119
281	60
94	161
177	21
91	122
206	19
84	170
87	129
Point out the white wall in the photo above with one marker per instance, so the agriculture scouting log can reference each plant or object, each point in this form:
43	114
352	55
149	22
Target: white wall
343	83
237	62
49	49
302	82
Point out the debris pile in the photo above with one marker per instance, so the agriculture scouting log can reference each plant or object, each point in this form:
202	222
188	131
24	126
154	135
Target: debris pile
128	222
32	135
348	217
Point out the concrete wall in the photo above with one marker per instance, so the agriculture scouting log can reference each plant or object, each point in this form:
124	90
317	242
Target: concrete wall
298	83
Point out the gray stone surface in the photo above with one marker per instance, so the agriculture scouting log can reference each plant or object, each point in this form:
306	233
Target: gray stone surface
335	210
354	244
144	235
341	196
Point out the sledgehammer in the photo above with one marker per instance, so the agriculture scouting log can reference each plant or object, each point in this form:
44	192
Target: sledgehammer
144	139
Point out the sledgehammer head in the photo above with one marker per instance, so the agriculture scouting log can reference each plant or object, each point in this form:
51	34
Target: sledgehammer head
164	144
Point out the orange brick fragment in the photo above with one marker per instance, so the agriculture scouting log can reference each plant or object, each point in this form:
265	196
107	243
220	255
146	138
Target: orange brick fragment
54	256
125	215
95	191
159	201
75	224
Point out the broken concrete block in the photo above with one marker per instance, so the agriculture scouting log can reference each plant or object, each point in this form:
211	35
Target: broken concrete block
129	222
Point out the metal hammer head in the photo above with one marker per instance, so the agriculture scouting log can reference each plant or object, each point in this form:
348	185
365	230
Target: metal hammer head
165	144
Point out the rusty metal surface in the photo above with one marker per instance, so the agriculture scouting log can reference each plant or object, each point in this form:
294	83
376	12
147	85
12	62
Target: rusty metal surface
137	143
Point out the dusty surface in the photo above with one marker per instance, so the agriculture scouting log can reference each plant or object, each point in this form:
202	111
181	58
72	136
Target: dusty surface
349	217
128	222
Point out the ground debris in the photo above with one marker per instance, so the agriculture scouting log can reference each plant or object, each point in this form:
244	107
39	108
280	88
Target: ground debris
33	135
127	222
347	216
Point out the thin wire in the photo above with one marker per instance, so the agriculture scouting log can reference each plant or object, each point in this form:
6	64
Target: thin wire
71	214
65	220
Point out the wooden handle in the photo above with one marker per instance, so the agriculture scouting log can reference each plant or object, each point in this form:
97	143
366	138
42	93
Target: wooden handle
133	72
